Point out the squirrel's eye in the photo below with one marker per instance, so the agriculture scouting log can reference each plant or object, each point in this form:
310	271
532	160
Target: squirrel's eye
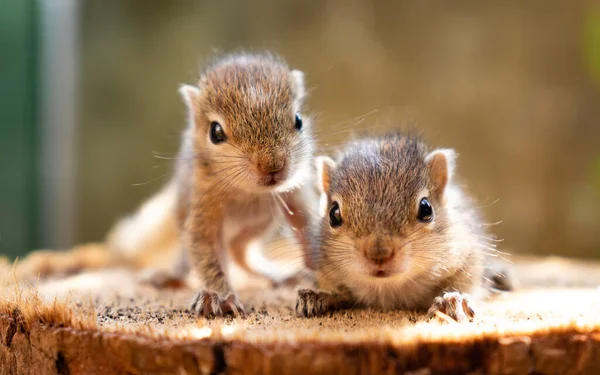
335	215
425	214
298	122
217	134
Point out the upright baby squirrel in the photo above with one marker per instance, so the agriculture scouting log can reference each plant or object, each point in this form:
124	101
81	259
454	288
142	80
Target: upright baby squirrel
396	232
246	158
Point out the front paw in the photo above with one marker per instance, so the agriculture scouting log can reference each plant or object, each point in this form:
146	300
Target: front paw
312	303
457	306
208	304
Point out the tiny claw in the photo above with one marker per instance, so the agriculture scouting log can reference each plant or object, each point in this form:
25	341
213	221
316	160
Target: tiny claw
467	305
312	303
455	305
231	305
208	304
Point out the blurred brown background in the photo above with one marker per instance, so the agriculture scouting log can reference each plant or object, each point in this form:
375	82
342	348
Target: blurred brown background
514	86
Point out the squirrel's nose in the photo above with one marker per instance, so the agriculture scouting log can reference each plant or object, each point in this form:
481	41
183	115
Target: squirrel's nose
380	253
271	168
380	256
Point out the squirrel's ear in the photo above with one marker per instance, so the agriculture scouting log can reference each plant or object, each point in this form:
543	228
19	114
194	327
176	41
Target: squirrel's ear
441	167
190	96
298	77
324	167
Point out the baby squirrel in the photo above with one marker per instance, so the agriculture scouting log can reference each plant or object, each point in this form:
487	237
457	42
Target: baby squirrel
396	232
246	157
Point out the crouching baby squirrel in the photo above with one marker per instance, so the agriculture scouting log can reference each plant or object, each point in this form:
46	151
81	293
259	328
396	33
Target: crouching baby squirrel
396	232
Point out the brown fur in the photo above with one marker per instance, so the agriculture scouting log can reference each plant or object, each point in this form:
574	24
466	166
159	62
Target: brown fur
222	199
378	184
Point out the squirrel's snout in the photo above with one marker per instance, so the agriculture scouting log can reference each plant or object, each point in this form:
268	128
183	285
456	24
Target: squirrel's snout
380	256
380	251
271	168
271	164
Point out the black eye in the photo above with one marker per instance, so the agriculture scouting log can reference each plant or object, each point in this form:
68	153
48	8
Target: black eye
298	122
217	134
335	215
425	211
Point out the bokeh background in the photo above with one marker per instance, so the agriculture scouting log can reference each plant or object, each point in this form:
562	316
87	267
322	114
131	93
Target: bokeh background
89	98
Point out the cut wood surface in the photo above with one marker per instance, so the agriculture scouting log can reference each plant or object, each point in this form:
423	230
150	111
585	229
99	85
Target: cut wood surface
104	320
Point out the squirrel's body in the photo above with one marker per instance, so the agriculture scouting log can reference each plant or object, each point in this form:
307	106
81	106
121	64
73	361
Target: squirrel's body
245	162
246	143
396	232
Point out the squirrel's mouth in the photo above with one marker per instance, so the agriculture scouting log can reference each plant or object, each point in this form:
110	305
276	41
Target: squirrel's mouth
380	274
269	181
272	180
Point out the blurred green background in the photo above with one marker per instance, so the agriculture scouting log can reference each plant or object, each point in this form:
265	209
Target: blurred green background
89	96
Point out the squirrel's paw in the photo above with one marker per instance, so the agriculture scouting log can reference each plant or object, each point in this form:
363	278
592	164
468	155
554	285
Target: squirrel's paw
457	306
312	303
208	304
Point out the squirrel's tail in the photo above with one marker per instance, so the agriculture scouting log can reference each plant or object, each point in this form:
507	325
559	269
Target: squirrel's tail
148	236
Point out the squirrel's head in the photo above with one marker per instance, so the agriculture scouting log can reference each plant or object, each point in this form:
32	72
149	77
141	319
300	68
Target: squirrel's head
248	125
383	208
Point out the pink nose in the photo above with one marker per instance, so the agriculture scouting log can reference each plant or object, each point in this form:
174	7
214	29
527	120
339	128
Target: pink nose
270	168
